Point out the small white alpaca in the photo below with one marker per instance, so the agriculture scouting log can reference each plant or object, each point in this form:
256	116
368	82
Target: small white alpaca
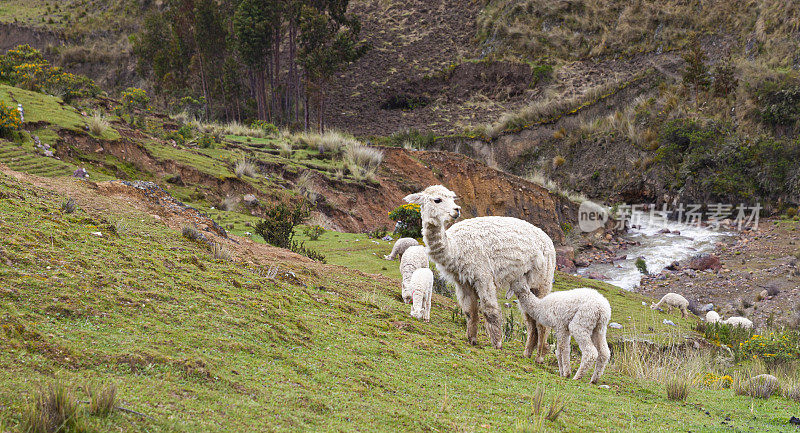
421	285
673	300
582	314
414	258
712	317
738	321
400	247
478	255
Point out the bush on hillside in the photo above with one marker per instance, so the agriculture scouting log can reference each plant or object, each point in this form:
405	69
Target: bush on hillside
268	128
9	120
779	102
25	67
133	100
277	228
409	221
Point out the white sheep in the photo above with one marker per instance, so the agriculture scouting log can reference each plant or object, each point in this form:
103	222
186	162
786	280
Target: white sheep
400	247
712	317
582	314
421	285
480	254
673	300
738	321
414	258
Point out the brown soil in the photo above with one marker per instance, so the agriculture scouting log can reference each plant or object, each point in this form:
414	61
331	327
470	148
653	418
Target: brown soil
751	262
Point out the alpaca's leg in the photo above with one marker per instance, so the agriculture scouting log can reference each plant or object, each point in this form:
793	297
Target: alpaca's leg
520	288
542	332
428	308
562	352
468	300
533	335
684	313
493	316
583	337
540	286
603	352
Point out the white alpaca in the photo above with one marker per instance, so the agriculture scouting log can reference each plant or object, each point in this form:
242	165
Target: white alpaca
712	317
582	314
673	300
414	258
400	247
738	321
480	254
421	285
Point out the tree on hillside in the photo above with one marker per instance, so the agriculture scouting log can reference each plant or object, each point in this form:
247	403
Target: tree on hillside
255	25
328	41
696	73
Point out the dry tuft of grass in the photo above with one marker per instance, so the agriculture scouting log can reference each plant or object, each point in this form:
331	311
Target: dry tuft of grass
362	161
305	187
191	233
229	203
245	167
103	399
52	409
69	206
558	161
284	148
232	128
98	124
329	142
677	387
542	411
220	252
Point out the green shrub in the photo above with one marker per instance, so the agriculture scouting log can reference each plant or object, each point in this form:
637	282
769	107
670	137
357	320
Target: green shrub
779	102
314	232
774	348
641	265
378	233
134	99
25	67
206	141
731	336
10	120
409	221
268	128
277	227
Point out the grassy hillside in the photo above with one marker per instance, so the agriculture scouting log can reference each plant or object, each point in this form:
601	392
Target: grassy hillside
201	344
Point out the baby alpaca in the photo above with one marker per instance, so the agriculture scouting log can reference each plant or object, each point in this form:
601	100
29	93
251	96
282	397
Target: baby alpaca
421	285
582	314
414	258
712	317
400	247
673	300
738	321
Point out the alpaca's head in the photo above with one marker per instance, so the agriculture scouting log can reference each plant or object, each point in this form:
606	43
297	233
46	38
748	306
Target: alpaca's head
437	204
416	311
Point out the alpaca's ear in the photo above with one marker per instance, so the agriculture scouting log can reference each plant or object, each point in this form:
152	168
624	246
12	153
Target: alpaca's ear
414	198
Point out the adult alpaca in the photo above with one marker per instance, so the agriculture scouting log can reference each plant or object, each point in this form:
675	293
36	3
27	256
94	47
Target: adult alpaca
480	254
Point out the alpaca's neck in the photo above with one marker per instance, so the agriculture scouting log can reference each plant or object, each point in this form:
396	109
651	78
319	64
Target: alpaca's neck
435	237
532	305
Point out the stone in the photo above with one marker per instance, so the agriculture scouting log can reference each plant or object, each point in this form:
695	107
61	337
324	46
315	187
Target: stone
614	325
669	322
701	262
81	172
707	307
250	200
48	153
595	276
608	387
674	266
664	232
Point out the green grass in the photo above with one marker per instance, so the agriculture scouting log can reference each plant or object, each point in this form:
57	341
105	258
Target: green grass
42	108
205	345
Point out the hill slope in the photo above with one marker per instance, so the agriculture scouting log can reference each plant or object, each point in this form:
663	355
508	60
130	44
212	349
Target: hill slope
204	344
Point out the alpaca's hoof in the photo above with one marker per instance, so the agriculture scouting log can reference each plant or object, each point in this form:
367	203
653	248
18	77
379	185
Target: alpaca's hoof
539	359
498	345
472	342
528	353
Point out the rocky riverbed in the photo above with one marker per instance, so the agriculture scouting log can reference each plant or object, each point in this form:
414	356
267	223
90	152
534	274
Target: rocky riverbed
758	275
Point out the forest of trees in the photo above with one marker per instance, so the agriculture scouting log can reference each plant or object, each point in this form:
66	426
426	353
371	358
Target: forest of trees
248	59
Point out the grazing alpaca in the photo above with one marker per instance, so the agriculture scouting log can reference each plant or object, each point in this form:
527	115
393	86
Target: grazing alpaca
738	321
421	285
400	247
414	258
712	317
673	300
582	314
480	254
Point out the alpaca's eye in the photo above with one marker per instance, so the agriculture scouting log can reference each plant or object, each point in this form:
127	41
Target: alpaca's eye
437	200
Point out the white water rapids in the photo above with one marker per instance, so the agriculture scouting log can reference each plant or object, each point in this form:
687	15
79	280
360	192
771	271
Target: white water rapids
658	250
